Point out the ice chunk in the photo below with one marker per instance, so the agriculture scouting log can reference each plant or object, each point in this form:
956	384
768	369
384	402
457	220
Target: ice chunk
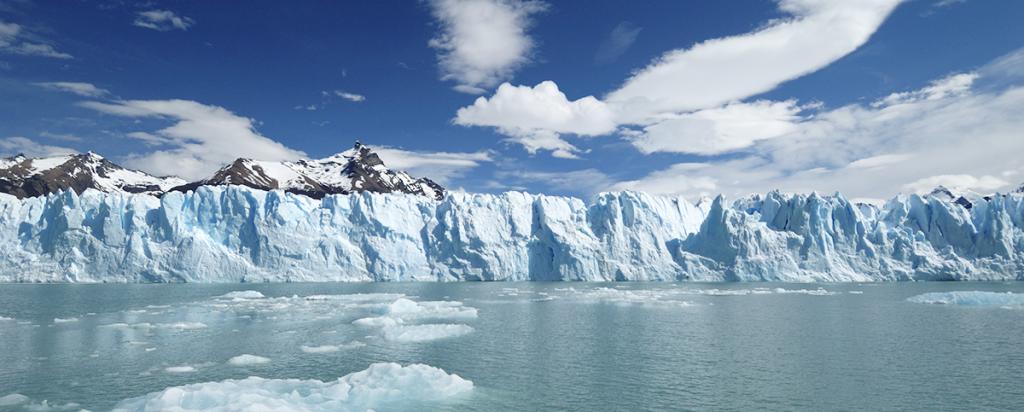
242	294
180	369
64	320
332	348
4	318
13	399
247	360
424	333
385	386
971	298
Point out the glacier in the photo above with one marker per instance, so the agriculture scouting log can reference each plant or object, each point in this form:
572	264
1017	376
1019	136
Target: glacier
239	234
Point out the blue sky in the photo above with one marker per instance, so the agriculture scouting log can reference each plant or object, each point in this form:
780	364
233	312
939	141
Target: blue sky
868	97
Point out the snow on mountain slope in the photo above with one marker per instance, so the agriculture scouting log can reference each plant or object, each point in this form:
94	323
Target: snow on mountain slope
355	170
27	177
234	233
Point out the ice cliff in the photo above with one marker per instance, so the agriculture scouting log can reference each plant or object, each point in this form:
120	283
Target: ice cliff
233	234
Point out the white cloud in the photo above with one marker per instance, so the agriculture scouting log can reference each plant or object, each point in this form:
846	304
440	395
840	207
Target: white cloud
162	20
81	89
953	85
202	139
721	70
966	139
619	40
13	40
482	42
534	117
352	97
438	166
721	129
18	144
982	184
689	100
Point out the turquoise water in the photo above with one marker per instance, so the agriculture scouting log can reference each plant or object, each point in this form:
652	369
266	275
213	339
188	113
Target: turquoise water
528	346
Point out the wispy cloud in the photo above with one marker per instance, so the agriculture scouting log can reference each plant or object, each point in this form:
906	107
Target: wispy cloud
619	40
439	166
14	40
79	88
201	139
482	42
352	97
23	145
162	20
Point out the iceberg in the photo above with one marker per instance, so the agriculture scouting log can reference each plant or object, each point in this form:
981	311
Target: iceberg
971	298
239	234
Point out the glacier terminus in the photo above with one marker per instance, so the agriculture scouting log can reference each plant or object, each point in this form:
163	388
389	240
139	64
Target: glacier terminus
242	234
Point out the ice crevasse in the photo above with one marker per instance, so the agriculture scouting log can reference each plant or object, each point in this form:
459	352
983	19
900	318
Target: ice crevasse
235	234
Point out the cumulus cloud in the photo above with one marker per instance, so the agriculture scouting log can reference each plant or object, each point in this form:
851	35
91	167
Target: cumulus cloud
202	139
81	89
14	40
439	166
953	132
535	116
482	42
162	20
22	145
689	100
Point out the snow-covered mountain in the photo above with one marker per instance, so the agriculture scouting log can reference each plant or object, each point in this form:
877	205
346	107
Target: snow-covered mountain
27	177
234	233
355	170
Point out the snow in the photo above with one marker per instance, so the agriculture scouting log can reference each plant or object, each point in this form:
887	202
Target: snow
972	298
424	333
384	386
234	234
46	163
248	360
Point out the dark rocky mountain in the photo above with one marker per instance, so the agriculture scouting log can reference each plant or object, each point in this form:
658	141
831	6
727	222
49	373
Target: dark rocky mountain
22	176
359	169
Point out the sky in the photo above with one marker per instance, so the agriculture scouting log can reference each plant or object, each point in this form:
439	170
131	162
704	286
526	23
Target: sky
869	98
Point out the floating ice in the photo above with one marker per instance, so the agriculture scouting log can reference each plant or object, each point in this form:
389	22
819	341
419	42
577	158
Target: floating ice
332	348
247	359
971	298
13	399
242	294
64	320
180	369
4	318
424	333
381	386
147	325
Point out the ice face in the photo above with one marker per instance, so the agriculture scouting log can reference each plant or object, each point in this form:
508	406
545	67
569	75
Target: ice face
382	385
234	234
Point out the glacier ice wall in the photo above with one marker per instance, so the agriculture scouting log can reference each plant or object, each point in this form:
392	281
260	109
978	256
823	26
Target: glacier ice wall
233	234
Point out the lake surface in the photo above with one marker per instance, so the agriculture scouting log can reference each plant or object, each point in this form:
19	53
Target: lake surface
524	346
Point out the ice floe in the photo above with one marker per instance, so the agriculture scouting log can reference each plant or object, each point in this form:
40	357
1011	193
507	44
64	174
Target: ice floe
971	298
381	386
331	348
180	369
13	399
242	294
247	360
425	333
64	320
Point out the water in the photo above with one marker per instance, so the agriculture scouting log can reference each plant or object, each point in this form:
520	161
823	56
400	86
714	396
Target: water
533	346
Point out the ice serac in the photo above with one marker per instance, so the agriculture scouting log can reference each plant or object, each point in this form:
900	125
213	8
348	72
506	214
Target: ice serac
236	233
